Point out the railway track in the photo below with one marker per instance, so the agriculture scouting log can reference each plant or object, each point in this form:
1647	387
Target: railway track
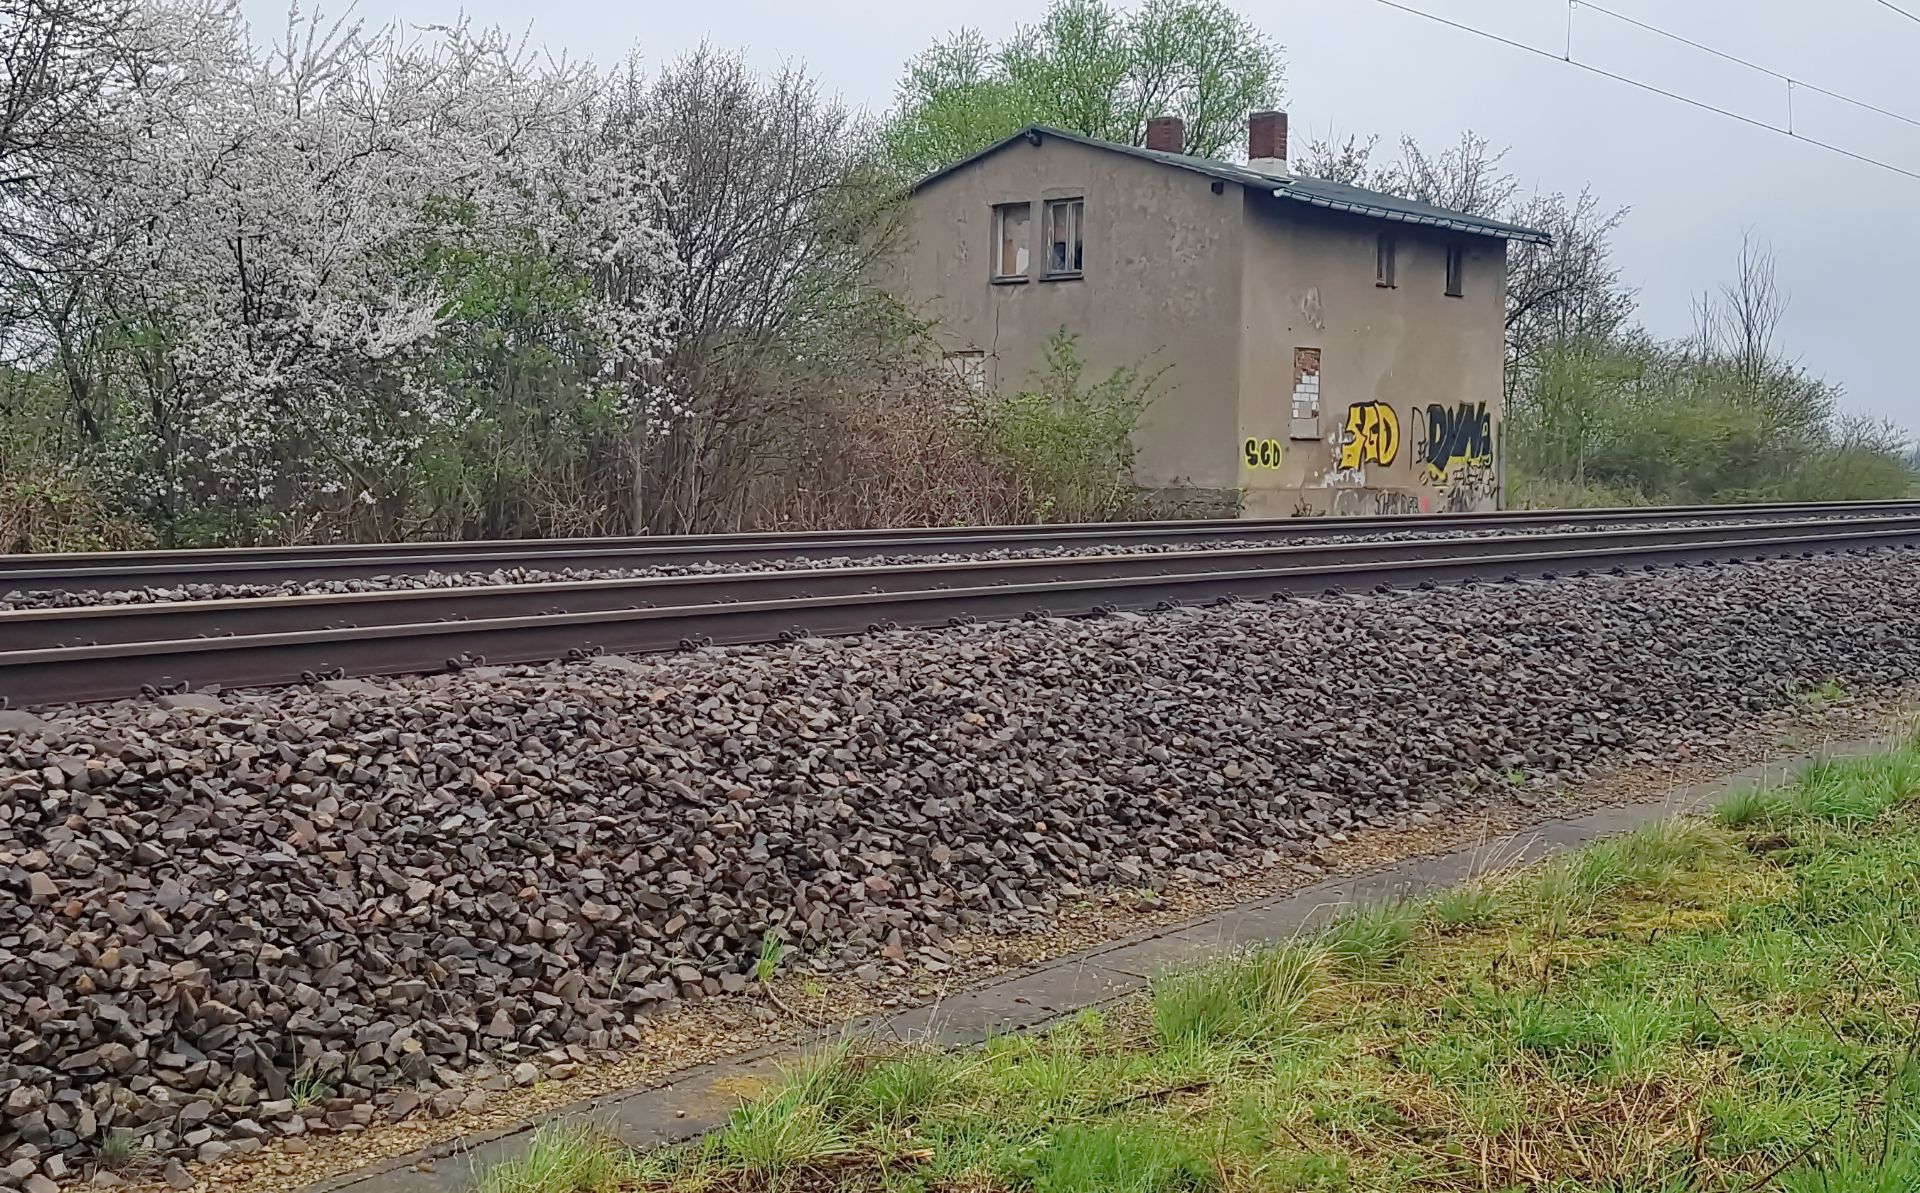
105	652
96	571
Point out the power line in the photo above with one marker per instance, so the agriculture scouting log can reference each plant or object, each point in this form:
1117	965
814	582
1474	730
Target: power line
1704	106
1789	80
1895	7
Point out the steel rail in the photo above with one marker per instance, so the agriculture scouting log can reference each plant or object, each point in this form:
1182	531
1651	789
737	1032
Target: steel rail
275	565
93	625
56	675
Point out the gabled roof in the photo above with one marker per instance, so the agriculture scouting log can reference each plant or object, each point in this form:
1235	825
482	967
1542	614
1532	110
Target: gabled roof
1334	196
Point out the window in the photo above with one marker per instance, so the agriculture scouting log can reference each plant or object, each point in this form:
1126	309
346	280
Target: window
1305	423
1456	261
1010	239
1065	218
970	368
1383	261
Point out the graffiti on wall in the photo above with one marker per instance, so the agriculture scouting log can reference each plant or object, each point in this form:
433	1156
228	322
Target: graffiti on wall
1354	503
1460	436
1454	450
1447	448
1372	435
1468	487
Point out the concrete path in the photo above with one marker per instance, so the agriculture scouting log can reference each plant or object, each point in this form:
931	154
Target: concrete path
699	1099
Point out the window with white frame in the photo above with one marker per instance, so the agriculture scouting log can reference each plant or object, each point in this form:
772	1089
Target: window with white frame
1012	235
1066	219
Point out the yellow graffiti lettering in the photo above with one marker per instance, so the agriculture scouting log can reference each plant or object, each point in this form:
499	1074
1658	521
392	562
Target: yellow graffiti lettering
1372	437
1261	453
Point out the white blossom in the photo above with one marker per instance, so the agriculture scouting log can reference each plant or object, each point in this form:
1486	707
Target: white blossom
265	214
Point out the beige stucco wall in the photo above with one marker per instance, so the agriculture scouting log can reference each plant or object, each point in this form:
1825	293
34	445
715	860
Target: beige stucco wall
1160	291
1410	378
1215	292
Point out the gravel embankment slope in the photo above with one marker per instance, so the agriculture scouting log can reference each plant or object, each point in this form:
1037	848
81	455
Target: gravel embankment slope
369	890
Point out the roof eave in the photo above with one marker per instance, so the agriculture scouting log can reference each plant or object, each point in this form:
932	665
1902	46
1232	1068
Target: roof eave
1228	173
1497	231
1030	131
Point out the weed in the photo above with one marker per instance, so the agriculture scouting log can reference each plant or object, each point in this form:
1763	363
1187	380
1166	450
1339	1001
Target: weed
124	1151
1635	1031
1121	1159
1469	905
1853	790
1372	936
897	1091
772	949
563	1158
308	1088
1818	698
1750	806
1068	441
779	1137
1258	994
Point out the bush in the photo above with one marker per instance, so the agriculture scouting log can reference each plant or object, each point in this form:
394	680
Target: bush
1633	421
1068	445
909	455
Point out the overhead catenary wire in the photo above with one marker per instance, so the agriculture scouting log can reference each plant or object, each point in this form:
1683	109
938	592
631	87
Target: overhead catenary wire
1793	82
1903	12
1640	84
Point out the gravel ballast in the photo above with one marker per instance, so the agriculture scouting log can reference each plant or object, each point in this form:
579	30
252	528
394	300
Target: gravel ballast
233	921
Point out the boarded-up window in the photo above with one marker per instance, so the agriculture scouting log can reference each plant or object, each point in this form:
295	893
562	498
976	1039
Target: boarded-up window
971	370
1012	234
1304	420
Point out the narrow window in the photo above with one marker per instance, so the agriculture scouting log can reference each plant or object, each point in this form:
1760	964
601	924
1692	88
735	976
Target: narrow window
1010	239
1064	220
1383	261
1456	259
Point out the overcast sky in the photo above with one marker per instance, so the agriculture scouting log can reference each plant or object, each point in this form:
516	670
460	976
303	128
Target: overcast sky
1843	231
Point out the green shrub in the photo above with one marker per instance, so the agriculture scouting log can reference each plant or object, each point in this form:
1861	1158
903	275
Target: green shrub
1069	444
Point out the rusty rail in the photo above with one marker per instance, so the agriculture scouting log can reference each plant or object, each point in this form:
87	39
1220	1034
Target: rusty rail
288	640
94	571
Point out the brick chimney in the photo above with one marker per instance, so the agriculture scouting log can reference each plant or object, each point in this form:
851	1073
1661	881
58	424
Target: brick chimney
1267	143
1168	134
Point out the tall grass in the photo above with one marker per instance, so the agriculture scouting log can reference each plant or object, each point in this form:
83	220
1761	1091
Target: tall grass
1257	994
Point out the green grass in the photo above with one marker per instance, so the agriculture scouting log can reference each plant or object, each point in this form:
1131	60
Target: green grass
1253	996
772	951
1726	1003
1120	1158
126	1152
1469	905
564	1159
308	1088
1372	937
